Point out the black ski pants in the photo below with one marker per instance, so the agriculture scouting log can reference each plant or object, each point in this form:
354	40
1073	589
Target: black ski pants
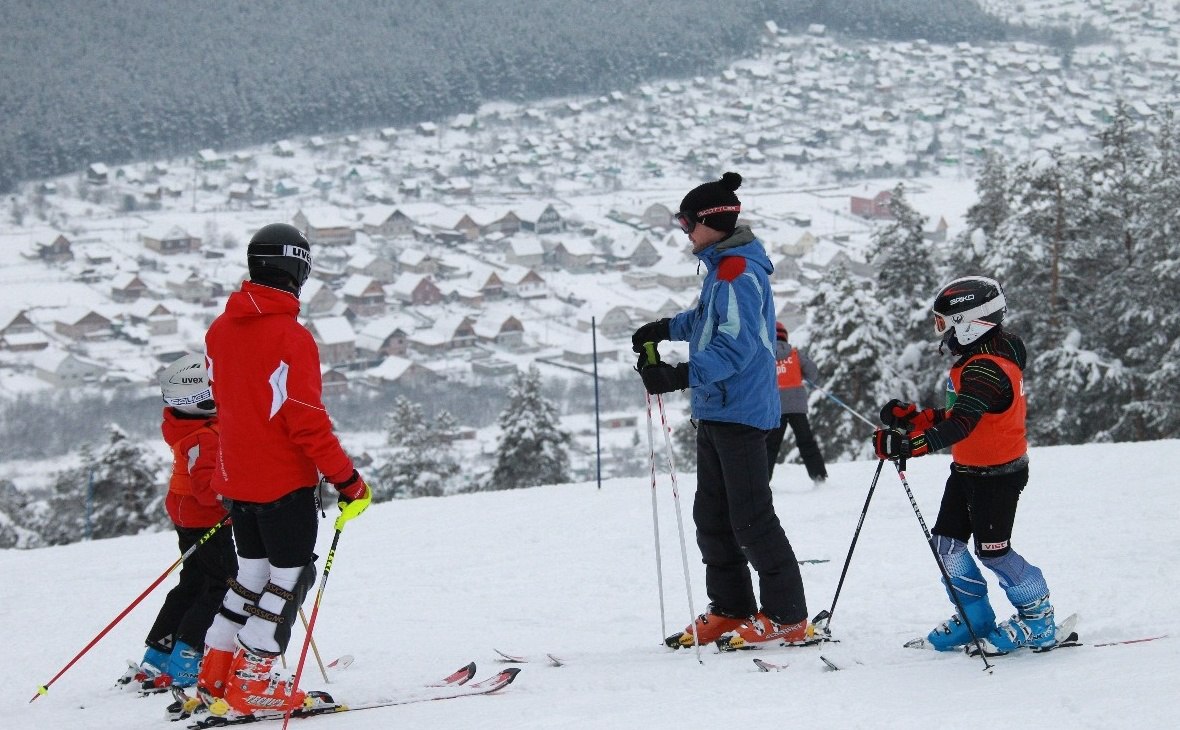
809	451
737	527
983	507
283	531
189	607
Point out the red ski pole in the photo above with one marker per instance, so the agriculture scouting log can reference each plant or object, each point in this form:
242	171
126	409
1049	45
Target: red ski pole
204	538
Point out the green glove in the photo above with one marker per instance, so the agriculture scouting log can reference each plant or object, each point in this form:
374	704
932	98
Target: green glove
351	508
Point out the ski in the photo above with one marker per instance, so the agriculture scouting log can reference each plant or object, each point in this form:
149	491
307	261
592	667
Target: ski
814	561
817	633
765	666
829	663
1121	642
727	644
184	705
451	687
1065	628
506	658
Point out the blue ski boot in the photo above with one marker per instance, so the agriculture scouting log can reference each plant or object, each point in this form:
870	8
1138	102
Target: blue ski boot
1032	627
184	665
968	584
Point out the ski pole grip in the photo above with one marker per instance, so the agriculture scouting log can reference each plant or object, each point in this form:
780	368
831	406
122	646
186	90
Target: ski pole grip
653	357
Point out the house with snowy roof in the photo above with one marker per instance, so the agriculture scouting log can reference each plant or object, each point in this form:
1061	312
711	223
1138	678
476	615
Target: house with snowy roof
18	333
336	339
450	332
385	335
387	221
316	298
190	286
158	318
368	263
415	260
500	329
126	286
62	369
400	371
325	226
82	323
56	250
415	289
524	282
539	217
524	251
169	240
364	295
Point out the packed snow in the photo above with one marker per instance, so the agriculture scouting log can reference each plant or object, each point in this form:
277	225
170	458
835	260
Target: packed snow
421	587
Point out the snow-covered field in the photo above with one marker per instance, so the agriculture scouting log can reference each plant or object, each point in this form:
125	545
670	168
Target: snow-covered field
421	587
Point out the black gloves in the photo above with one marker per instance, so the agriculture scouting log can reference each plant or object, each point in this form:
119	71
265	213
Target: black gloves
664	378
651	332
892	444
896	414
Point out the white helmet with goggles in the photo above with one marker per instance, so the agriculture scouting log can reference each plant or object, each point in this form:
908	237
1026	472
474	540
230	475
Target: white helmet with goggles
967	309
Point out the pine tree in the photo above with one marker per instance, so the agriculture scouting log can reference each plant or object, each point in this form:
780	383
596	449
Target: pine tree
859	356
906	279
1153	410
994	204
532	449
421	462
117	490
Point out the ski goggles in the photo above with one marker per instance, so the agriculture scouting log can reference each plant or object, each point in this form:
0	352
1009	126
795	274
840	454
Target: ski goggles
688	222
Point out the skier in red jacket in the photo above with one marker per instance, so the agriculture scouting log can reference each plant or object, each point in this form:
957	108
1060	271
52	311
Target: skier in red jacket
276	442
176	639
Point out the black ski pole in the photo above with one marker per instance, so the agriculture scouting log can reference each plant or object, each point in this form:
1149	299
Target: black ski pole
823	620
942	568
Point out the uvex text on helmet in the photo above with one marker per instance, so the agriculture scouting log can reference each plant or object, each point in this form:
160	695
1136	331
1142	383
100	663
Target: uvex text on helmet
185	385
967	309
279	255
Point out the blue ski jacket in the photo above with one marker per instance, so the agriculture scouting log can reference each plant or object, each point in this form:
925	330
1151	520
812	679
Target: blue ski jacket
730	335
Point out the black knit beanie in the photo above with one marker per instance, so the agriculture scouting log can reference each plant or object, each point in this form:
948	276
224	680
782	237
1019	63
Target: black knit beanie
714	203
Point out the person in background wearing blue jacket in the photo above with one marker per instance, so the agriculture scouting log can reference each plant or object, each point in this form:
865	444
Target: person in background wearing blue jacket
794	367
731	371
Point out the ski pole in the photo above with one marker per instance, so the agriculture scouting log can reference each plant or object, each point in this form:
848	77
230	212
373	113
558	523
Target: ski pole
942	568
655	518
314	649
680	526
827	620
315	609
842	404
201	541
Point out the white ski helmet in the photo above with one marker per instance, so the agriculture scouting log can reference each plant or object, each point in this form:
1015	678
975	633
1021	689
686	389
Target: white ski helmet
185	386
967	309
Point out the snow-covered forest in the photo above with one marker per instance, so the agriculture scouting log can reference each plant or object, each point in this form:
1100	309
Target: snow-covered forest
1086	246
125	79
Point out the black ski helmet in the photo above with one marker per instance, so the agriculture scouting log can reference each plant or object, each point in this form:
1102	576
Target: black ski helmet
279	255
967	309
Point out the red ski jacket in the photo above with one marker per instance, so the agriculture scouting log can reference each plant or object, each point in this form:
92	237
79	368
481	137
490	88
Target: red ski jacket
264	368
191	501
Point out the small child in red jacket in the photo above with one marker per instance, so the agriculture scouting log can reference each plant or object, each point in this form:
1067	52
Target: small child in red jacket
176	640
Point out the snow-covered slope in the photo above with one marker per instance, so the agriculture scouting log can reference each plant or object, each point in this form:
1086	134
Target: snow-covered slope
420	587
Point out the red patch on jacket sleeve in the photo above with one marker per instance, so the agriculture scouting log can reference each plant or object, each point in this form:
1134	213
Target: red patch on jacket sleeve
731	268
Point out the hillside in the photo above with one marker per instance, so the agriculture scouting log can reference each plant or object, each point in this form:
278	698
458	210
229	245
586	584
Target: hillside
420	587
459	251
123	80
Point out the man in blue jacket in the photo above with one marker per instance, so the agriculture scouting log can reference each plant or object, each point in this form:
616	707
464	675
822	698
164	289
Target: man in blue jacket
731	371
